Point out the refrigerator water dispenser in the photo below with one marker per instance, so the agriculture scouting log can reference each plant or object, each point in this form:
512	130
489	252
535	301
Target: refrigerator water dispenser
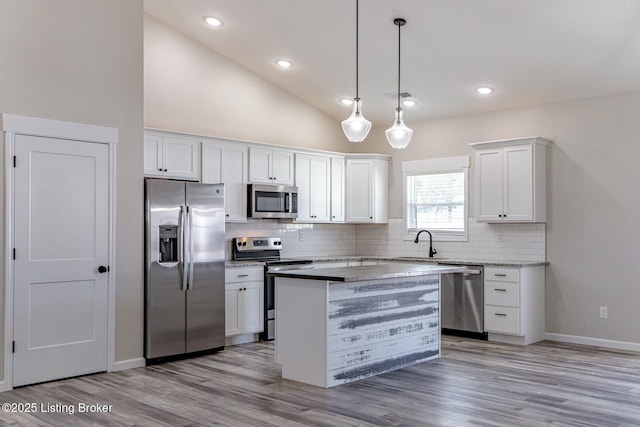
168	243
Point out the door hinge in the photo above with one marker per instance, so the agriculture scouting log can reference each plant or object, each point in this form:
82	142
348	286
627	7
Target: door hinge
13	346
14	161
14	253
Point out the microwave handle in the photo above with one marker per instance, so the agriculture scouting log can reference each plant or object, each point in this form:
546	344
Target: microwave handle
286	202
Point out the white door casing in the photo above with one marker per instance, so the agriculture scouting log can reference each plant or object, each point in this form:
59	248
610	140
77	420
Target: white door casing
37	130
61	223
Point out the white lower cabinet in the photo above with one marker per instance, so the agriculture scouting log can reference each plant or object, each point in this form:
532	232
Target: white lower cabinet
514	304
244	300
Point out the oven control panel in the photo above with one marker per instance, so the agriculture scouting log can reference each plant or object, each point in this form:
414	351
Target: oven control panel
256	243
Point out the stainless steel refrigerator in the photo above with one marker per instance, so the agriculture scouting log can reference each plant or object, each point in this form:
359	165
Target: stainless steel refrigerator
184	268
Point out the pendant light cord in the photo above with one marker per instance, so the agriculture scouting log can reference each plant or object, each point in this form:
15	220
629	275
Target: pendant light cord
357	57
399	25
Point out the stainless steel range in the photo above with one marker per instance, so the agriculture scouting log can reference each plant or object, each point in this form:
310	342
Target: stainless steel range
267	249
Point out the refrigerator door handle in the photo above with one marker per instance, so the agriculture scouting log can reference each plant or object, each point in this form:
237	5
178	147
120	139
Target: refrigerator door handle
183	253
190	216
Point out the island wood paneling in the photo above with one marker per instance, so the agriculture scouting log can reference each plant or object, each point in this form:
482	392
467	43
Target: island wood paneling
380	325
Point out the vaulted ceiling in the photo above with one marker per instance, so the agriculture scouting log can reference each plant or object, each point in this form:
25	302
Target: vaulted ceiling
529	51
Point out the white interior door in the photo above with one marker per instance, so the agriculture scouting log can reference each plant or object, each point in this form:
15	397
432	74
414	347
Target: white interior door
60	239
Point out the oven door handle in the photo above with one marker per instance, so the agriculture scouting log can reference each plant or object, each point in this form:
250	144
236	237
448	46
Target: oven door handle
470	272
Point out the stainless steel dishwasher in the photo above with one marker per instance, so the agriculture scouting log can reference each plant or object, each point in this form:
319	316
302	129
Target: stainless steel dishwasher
462	307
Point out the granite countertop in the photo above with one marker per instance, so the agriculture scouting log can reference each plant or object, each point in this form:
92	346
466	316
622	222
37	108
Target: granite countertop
243	263
369	272
450	261
413	260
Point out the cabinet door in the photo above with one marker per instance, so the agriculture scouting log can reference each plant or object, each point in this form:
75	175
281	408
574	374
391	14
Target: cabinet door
282	167
234	172
320	184
337	189
232	324
260	165
303	182
153	155
252	307
212	164
518	183
360	190
489	185
180	157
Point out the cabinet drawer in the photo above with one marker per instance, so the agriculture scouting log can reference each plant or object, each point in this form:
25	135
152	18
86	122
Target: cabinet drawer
504	320
502	293
502	274
244	274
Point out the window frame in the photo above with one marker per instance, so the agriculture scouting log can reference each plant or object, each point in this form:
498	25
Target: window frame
437	166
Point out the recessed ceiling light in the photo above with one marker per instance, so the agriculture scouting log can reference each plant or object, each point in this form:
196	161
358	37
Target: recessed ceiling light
409	103
283	63
346	101
484	90
214	22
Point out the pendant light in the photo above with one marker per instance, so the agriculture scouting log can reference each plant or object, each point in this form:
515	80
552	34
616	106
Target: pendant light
356	127
399	135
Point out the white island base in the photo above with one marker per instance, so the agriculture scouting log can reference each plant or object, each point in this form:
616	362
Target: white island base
331	332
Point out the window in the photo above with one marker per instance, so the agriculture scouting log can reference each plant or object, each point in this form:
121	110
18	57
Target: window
435	195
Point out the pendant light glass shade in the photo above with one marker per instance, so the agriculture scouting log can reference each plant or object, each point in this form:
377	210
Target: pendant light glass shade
399	135
356	127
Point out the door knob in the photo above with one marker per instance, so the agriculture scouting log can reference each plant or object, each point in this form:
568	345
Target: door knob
103	269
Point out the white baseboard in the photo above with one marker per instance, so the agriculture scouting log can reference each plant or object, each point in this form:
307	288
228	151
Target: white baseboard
596	342
4	386
122	365
241	339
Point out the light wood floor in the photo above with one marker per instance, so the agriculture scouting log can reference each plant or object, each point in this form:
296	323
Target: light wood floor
476	383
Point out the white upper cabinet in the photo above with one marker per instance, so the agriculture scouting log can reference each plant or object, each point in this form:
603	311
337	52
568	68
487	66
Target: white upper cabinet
314	186
367	190
338	211
170	156
269	166
511	180
226	163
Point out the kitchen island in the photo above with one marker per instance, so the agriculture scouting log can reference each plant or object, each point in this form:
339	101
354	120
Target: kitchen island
336	325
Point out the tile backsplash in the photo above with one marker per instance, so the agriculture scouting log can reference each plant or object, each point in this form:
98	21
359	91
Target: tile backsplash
299	240
508	242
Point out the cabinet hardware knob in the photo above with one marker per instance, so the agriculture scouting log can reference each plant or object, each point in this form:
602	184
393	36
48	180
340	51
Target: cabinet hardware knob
160	169
499	215
244	289
166	170
370	217
227	215
103	269
505	215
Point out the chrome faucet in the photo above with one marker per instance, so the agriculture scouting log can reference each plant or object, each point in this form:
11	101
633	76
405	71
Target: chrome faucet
432	251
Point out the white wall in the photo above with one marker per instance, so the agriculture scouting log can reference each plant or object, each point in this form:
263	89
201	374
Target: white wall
189	88
81	61
593	227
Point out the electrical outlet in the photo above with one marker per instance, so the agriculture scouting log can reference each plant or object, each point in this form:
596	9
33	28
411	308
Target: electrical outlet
604	312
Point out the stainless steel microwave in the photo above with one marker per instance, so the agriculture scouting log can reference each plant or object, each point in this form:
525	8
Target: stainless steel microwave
272	201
